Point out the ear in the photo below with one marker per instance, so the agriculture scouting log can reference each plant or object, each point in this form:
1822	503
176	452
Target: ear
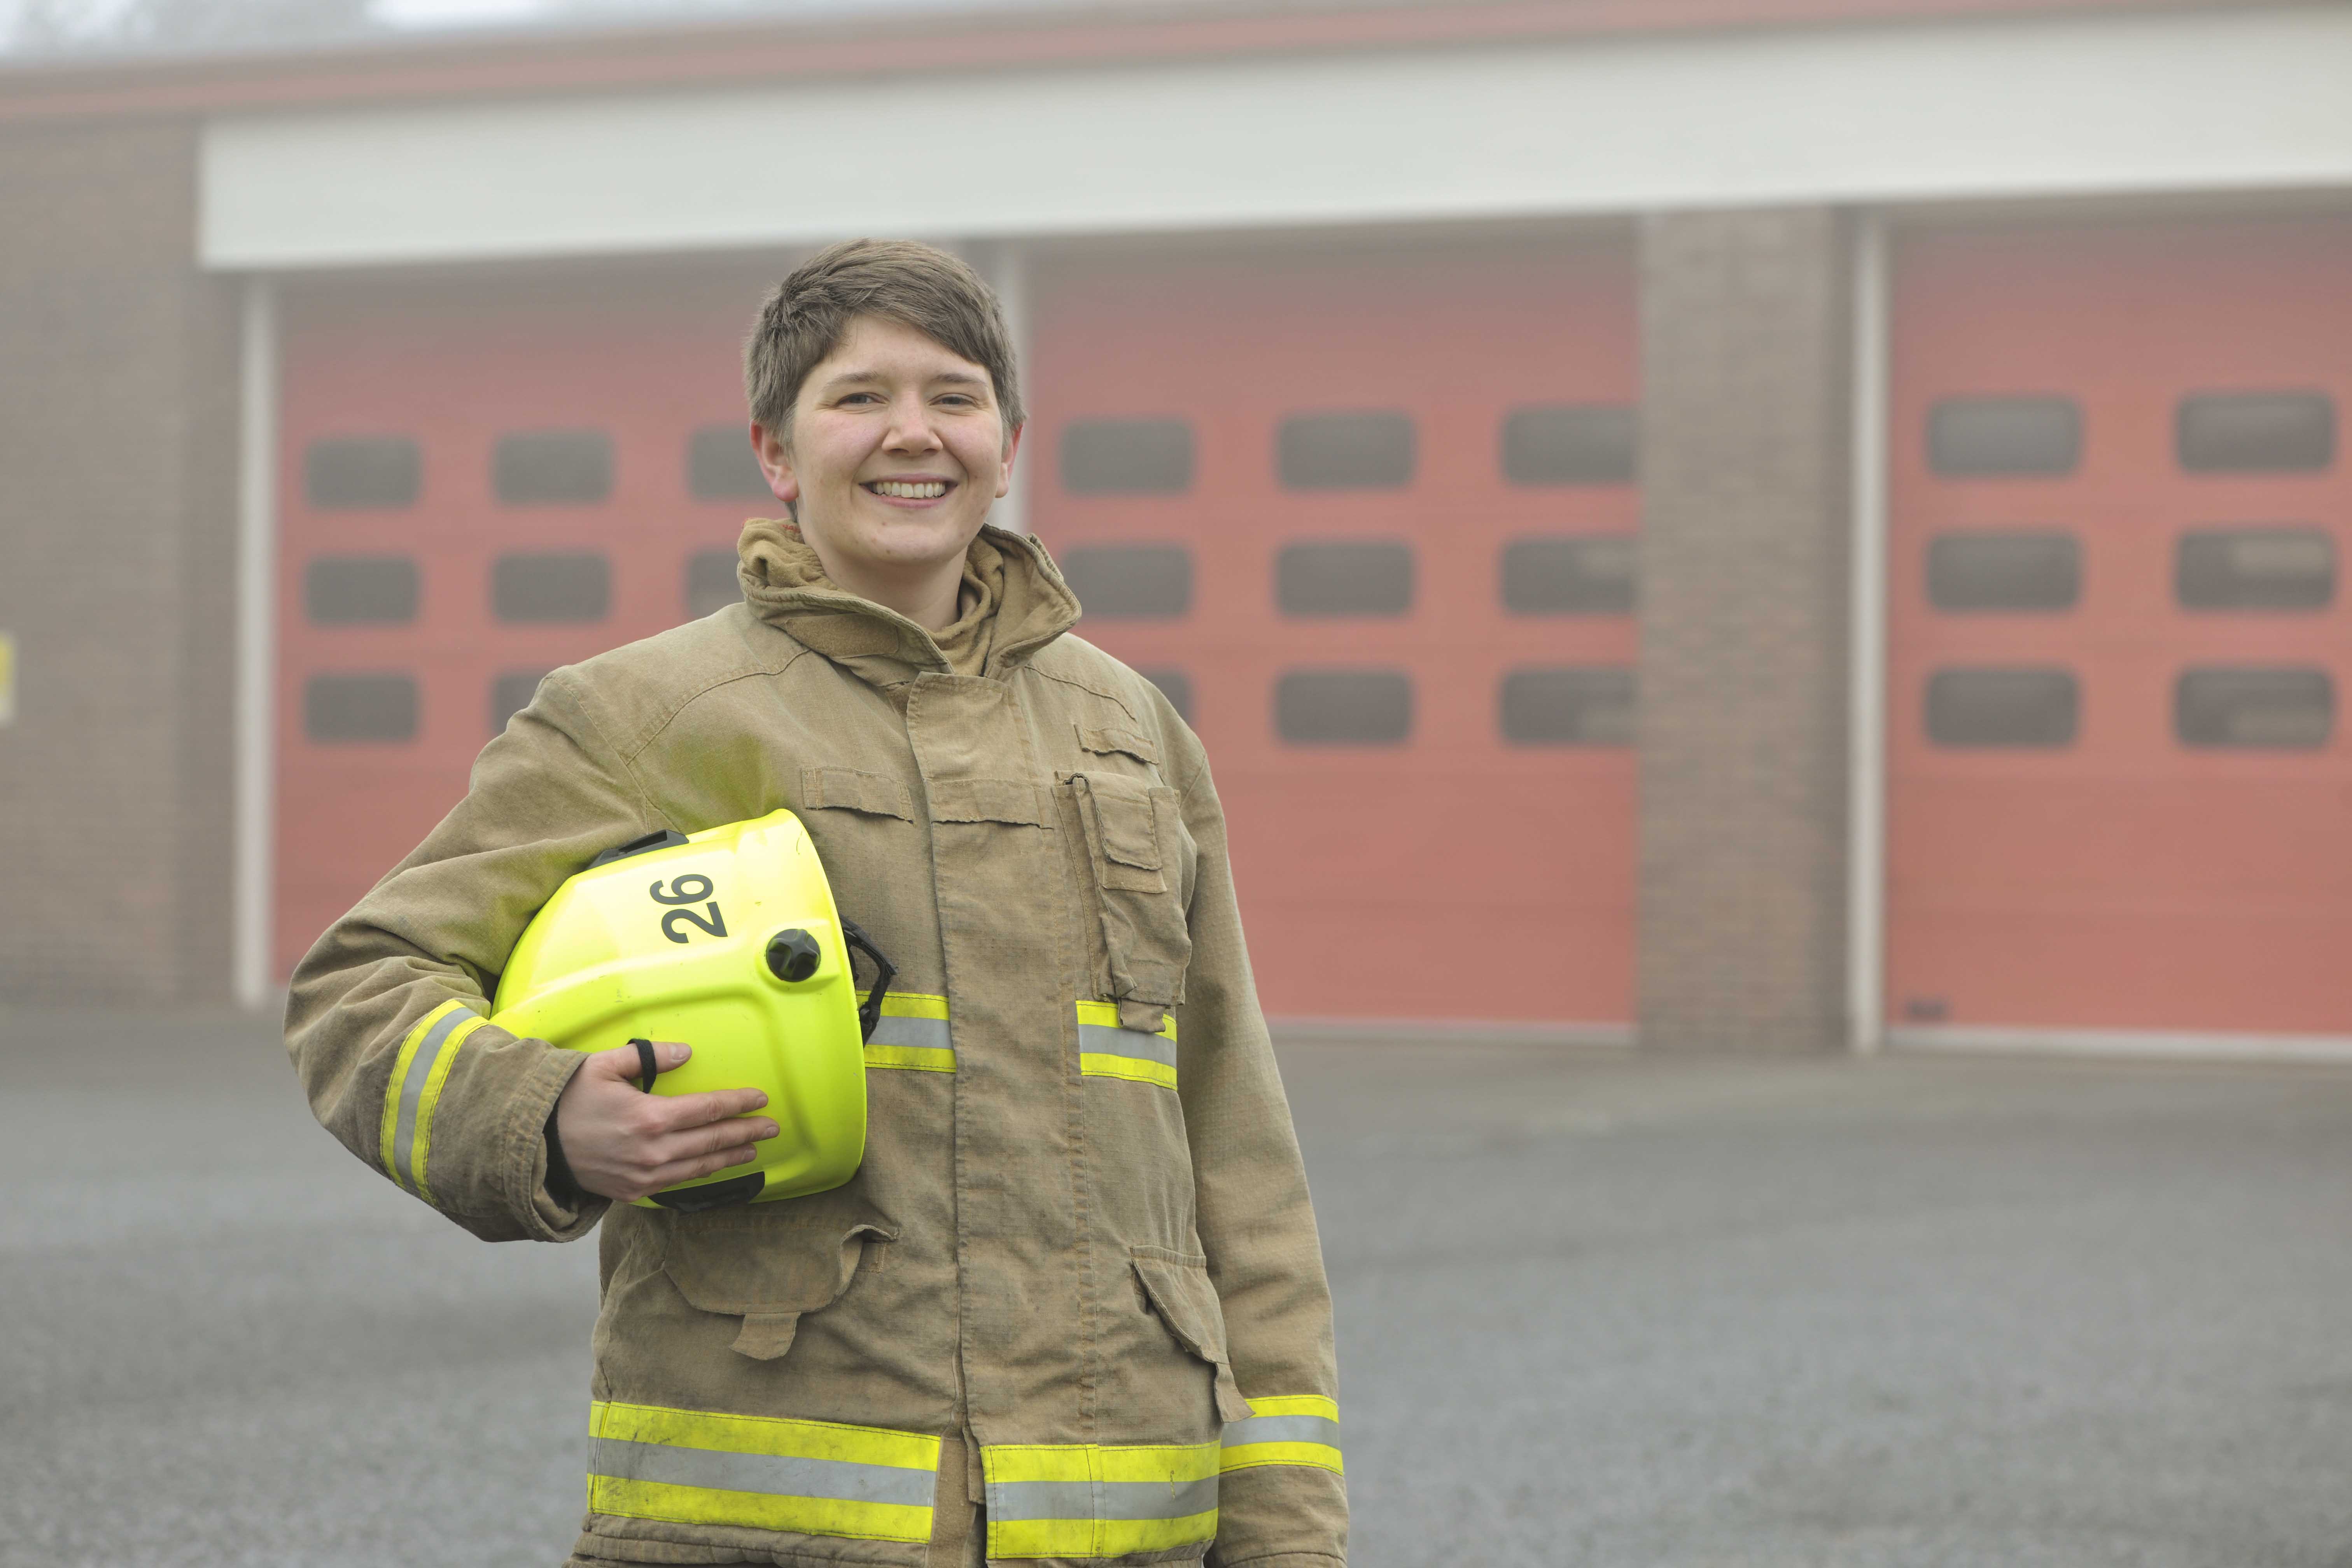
1011	450
776	455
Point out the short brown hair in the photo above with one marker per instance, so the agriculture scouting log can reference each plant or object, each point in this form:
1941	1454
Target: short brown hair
921	286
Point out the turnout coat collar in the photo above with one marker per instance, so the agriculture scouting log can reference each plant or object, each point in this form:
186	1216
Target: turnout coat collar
786	589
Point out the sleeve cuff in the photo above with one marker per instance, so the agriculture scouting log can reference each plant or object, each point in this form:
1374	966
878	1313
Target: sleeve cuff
553	1207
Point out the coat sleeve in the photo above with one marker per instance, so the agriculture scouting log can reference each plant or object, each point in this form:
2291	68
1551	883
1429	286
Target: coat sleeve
384	1018
1281	1498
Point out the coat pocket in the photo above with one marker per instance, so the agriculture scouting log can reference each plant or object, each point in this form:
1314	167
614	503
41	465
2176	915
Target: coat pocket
1142	856
1177	1286
768	1268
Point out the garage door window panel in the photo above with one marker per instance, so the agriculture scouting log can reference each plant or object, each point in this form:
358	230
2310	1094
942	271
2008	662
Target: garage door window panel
1594	574
1345	578
1571	443
1567	706
568	586
1127	458
552	467
361	590
2035	708
720	466
2255	432
2004	437
1373	449
1176	686
351	709
711	584
1142	581
2258	708
2256	569
511	693
1343	707
2015	571
362	473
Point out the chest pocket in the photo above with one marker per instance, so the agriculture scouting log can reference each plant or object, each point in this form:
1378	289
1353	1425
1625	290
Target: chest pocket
1141	857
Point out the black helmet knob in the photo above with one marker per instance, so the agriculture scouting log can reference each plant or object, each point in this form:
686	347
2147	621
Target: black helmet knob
793	955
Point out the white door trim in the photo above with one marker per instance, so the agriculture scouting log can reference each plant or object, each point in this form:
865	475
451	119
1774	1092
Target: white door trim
1866	656
257	652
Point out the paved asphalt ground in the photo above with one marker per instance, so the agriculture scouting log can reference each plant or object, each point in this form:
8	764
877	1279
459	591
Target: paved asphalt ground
1594	1311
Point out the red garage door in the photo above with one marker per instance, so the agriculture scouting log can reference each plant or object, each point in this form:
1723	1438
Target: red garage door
2120	795
477	487
1369	520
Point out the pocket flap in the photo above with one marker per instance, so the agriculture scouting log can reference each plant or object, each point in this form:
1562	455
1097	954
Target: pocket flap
847	789
1016	801
741	1264
1113	740
1177	1287
1125	821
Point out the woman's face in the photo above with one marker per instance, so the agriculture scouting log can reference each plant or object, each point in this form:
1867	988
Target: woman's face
897	449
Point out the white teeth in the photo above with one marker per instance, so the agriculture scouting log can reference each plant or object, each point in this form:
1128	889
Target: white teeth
926	489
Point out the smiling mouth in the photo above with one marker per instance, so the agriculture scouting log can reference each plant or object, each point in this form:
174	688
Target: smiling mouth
907	489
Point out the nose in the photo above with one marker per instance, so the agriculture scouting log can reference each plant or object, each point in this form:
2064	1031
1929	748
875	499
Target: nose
911	433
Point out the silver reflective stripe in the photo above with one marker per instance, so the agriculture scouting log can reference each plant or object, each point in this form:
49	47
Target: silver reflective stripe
1103	1039
411	1089
769	1475
922	1033
1282	1429
1101	1500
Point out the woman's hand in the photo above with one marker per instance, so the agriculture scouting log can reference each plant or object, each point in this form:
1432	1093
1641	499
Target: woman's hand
622	1142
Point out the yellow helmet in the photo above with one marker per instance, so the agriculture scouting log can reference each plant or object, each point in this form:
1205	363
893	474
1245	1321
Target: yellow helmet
728	939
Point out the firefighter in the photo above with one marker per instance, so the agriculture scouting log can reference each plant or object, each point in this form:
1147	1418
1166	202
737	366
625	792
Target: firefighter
1071	1308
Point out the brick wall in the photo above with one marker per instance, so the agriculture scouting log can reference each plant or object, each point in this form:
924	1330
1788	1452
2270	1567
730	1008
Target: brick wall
1744	560
117	438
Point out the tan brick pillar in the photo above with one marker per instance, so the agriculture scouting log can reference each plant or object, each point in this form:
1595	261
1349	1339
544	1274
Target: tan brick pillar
118	440
1745	366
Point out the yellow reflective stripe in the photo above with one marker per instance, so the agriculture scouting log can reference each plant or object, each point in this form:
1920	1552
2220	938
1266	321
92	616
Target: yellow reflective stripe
1107	1538
758	1511
403	1099
1093	1064
1296	1405
913	1005
1078	1500
912	1034
1105	1050
1105	1015
811	1478
916	1058
1250	1455
1286	1429
436	1076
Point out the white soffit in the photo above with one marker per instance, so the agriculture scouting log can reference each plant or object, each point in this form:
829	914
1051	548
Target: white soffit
2190	101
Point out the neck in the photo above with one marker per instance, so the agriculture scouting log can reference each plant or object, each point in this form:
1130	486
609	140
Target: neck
925	594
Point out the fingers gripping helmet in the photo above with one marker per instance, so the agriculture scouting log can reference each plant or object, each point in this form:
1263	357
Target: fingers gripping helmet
728	939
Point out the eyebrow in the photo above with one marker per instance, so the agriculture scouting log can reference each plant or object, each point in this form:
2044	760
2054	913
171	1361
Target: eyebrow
958	378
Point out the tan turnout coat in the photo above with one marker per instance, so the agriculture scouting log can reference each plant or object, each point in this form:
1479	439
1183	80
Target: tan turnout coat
1079	1263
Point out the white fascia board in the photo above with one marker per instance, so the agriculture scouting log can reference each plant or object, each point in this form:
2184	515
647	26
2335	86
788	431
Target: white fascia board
2115	103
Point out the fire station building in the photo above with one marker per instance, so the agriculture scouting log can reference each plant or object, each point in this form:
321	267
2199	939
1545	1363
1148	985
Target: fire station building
1731	524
